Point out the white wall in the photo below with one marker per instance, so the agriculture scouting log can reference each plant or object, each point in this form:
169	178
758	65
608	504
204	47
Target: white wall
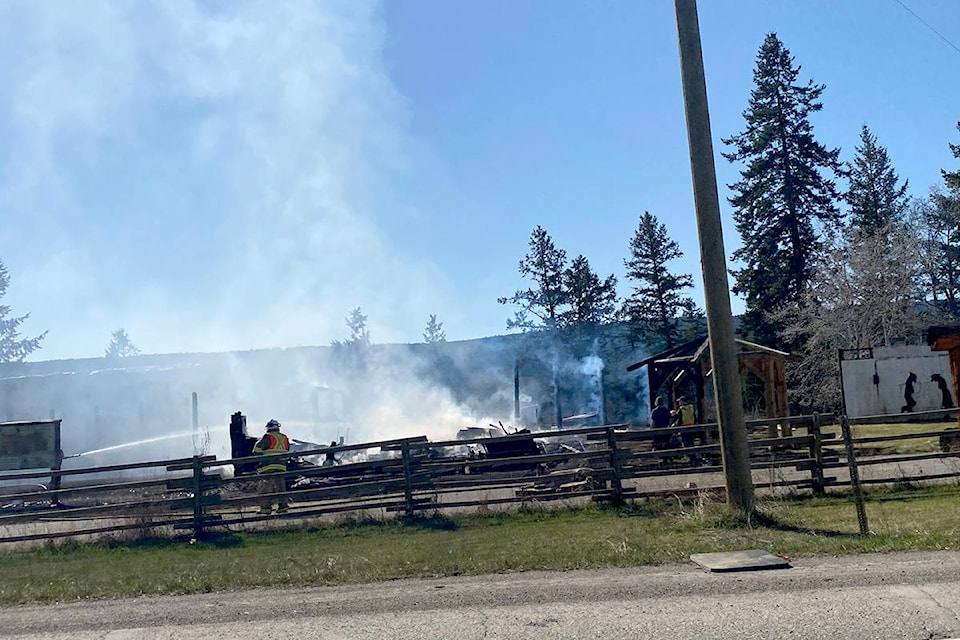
868	396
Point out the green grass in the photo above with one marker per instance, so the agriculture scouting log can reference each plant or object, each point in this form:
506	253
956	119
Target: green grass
915	445
352	552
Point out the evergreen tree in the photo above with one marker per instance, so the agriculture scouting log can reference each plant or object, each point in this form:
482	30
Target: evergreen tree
946	220
936	232
592	302
952	178
354	351
357	323
434	333
657	300
785	195
120	345
13	348
875	196
542	304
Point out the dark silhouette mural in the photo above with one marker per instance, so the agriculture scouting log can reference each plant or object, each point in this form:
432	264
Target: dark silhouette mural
908	391
946	398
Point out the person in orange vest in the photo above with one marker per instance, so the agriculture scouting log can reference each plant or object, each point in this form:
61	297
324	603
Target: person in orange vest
272	484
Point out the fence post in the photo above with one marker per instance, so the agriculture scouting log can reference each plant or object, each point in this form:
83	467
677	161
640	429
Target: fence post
616	483
407	480
816	453
854	474
197	466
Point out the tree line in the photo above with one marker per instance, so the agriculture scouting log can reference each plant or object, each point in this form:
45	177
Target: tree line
820	267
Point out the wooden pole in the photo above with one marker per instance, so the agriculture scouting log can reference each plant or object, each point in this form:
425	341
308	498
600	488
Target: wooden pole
516	393
407	480
733	437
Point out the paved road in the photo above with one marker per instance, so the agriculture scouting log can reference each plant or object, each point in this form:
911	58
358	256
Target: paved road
910	595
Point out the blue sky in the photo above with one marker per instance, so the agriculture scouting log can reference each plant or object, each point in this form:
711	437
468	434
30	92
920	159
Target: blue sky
234	175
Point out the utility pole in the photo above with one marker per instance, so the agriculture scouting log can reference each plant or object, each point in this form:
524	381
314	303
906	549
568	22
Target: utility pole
726	383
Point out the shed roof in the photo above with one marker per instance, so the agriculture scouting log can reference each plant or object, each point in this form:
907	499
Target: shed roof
695	349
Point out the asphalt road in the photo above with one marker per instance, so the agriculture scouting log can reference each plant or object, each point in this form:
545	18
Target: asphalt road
908	595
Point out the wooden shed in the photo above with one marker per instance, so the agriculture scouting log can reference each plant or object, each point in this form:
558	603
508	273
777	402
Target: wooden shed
948	339
685	370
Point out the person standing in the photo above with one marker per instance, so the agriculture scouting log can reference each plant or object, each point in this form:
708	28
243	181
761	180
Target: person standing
330	459
660	417
272	483
687	417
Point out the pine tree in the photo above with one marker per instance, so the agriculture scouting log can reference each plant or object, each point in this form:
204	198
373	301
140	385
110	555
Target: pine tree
434	333
357	323
541	305
785	195
657	299
592	301
121	346
355	350
952	178
13	348
875	196
946	219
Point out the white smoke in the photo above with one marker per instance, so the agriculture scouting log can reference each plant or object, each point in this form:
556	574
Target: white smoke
208	175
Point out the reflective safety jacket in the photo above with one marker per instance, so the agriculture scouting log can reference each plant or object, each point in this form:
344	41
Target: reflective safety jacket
272	442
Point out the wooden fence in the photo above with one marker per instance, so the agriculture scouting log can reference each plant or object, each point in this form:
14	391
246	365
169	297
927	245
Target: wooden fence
411	476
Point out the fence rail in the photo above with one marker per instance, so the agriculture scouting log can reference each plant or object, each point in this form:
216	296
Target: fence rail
410	476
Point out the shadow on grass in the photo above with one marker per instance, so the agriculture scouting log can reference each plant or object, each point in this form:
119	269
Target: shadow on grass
434	522
768	522
639	510
431	522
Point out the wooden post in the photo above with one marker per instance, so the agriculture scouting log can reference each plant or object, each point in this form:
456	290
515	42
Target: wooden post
854	474
407	480
603	397
556	397
955	374
197	466
196	411
816	453
516	393
56	479
616	482
726	383
196	423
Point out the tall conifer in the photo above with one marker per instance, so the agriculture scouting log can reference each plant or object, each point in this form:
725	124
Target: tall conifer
786	194
946	219
876	196
657	299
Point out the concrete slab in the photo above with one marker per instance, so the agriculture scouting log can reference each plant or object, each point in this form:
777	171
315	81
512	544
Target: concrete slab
748	560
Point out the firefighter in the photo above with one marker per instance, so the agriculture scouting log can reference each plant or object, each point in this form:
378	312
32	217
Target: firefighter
272	484
330	459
